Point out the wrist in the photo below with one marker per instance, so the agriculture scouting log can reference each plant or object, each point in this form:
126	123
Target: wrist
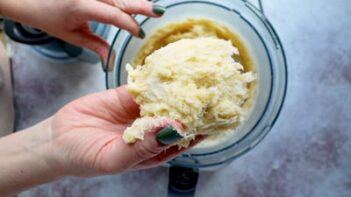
26	160
47	149
39	144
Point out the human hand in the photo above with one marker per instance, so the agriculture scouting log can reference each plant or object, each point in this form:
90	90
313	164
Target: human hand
87	137
68	19
84	138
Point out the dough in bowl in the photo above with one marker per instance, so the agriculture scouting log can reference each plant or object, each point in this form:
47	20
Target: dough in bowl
194	81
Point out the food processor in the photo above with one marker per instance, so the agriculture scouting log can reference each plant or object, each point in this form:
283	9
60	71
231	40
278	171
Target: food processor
250	23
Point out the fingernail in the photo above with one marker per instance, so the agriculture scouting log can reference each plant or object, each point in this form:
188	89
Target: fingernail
141	33
168	136
159	10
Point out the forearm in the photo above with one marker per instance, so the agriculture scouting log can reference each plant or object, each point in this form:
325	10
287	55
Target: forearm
23	159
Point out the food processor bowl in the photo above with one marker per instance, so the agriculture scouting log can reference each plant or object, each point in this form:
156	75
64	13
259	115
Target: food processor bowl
265	49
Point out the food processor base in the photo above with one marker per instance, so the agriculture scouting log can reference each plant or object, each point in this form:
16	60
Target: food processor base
182	181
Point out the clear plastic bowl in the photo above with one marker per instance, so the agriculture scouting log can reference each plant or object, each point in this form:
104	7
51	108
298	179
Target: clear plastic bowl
265	49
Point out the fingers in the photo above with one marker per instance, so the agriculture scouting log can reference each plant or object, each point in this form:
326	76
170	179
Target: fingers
122	156
167	155
104	13
143	7
163	157
151	146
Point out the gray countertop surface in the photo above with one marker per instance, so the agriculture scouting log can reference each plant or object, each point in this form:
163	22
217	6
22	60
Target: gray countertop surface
307	153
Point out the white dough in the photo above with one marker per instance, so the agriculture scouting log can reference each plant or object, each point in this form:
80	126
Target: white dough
195	81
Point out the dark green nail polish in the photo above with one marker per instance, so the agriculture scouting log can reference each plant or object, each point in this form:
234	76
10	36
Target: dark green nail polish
141	33
168	136
159	10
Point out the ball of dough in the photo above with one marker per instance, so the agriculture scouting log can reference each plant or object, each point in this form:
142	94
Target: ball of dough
195	81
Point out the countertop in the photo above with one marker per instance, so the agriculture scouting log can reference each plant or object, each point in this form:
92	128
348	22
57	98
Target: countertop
307	153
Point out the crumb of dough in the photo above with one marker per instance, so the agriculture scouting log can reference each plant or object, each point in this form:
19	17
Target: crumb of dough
194	81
